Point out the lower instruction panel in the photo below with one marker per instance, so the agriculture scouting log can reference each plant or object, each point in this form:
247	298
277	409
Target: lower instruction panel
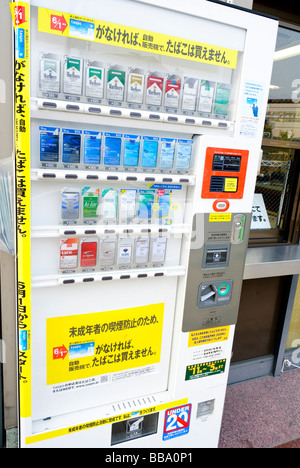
114	377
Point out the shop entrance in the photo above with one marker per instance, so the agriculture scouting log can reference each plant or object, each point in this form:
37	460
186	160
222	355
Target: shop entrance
261	314
275	219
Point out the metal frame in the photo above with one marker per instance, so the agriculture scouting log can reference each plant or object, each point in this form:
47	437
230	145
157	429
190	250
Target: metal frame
264	262
271	364
287	319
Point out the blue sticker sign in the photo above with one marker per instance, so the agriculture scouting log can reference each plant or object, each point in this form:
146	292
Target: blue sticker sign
177	421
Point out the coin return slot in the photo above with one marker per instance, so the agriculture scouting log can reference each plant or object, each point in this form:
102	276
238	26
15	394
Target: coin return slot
214	294
141	426
208	295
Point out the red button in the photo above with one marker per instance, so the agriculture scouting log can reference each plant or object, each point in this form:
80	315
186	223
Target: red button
221	205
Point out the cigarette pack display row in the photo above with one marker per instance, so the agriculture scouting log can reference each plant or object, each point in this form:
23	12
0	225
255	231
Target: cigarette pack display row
92	205
88	254
82	80
68	148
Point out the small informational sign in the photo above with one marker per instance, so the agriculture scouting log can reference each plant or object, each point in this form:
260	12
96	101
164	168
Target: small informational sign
177	421
252	109
210	335
260	219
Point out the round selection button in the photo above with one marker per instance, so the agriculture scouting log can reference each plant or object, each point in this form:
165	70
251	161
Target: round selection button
223	289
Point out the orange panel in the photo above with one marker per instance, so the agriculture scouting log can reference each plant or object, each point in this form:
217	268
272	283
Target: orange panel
234	181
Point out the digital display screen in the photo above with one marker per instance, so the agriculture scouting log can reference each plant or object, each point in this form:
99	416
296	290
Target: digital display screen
229	163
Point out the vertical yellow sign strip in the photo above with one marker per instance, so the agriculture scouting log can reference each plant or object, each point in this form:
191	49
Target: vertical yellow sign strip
21	15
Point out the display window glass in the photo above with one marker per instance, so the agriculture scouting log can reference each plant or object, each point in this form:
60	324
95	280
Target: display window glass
275	218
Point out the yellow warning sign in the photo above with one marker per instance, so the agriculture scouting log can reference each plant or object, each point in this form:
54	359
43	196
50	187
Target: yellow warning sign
230	184
86	345
219	217
211	335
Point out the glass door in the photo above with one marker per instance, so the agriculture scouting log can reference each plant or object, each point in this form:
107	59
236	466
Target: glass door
275	213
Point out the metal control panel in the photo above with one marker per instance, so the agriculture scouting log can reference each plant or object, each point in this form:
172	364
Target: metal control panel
215	270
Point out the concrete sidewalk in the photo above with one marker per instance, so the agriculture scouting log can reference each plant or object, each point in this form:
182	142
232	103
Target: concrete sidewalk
263	413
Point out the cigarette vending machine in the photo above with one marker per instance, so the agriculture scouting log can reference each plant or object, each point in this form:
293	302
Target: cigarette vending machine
137	128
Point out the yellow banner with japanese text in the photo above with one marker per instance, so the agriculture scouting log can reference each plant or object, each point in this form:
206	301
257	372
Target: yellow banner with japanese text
84	346
104	32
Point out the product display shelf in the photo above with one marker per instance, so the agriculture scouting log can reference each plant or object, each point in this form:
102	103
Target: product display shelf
112	229
90	277
90	113
107	176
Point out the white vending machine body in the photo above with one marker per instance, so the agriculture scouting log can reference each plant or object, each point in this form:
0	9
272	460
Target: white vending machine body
138	127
